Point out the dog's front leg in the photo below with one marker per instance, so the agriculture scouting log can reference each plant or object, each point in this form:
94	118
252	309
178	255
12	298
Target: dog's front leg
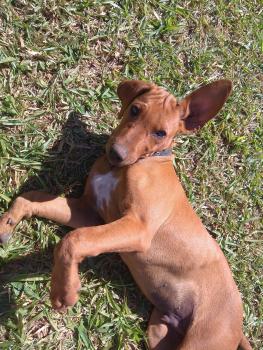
72	212
127	234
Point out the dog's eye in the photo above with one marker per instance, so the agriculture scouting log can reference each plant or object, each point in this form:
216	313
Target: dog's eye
160	133
135	111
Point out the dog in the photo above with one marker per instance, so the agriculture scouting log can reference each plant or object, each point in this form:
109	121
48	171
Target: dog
134	204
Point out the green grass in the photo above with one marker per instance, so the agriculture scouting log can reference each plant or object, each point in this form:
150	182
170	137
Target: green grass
62	56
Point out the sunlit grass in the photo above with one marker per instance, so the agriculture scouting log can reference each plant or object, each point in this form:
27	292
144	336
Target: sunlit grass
62	56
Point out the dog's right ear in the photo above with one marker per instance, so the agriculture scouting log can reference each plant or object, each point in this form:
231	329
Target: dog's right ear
128	90
203	104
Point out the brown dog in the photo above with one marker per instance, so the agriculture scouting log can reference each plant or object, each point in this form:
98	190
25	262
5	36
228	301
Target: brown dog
134	204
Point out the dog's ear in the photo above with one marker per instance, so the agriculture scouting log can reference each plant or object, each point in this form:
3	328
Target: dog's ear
203	104
128	90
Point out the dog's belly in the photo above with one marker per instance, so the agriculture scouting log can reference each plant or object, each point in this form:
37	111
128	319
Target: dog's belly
160	283
177	288
172	296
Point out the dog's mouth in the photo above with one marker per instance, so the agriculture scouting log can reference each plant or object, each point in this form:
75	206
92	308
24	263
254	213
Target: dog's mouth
118	155
120	163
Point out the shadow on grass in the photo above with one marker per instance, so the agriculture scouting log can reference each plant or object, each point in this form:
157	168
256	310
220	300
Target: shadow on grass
70	159
64	171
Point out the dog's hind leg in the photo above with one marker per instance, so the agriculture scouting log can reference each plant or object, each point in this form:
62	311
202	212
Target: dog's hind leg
160	334
72	212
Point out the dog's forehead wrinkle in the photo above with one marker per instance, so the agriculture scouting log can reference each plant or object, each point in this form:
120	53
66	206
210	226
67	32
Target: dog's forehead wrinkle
165	99
157	93
160	99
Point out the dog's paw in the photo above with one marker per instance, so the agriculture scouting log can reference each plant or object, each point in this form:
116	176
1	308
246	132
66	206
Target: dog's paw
6	227
65	285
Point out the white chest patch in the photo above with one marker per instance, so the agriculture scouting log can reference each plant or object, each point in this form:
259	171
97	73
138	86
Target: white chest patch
103	185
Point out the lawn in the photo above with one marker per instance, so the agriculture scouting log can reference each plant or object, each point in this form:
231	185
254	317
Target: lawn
60	64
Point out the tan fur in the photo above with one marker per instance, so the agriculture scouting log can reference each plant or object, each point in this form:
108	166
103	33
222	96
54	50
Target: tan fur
134	204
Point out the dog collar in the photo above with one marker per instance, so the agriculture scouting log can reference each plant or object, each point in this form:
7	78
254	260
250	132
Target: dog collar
163	153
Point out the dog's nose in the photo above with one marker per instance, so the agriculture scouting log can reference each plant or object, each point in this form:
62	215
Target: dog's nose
117	154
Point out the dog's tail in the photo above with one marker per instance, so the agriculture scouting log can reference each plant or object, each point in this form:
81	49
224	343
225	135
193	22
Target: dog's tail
244	344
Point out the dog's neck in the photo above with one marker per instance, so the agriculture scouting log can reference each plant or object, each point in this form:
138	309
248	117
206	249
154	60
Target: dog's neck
164	153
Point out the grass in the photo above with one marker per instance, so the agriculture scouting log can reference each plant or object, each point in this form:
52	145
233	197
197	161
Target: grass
63	56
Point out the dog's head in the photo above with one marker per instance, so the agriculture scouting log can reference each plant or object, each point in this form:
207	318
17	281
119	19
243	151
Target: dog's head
151	116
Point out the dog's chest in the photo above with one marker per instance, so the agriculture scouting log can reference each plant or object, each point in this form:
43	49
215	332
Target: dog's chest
103	186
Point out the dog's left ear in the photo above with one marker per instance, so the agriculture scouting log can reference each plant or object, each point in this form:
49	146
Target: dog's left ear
203	104
128	90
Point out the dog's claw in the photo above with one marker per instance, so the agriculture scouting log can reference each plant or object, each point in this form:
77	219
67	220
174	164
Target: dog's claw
10	222
61	305
58	305
4	238
6	227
